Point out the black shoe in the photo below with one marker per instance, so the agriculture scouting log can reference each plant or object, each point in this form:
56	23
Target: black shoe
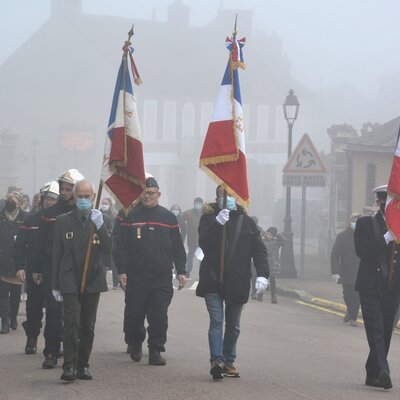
346	318
274	300
384	379
217	368
374	382
136	352
5	326
31	346
155	358
14	324
49	362
84	374
129	348
68	375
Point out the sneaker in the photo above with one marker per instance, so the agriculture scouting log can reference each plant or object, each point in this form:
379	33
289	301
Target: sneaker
217	368
230	371
49	362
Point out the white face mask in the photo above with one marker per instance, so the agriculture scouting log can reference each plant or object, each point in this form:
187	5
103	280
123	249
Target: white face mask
175	212
104	207
197	206
353	225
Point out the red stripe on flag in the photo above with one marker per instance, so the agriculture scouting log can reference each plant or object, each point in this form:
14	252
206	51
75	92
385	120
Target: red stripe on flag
394	180
126	192
117	152
219	140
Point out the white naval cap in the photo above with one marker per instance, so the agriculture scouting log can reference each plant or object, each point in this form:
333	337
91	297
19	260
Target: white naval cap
378	189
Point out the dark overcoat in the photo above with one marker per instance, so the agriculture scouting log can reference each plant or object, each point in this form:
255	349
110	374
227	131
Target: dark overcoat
237	269
70	242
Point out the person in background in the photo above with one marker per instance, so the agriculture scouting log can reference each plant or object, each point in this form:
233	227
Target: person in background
36	202
26	206
190	225
273	242
11	218
225	292
344	267
177	211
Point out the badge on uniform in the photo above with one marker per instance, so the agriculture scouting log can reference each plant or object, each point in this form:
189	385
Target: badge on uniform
96	239
69	235
138	232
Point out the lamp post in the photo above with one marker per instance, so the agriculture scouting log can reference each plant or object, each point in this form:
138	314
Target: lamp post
288	270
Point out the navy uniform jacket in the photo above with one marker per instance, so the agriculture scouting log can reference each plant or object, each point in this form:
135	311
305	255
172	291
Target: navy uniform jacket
71	237
375	255
149	243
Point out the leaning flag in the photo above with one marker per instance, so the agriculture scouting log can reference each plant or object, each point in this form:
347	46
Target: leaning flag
123	167
223	156
392	212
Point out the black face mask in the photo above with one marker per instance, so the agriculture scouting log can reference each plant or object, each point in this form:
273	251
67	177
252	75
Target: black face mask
11	206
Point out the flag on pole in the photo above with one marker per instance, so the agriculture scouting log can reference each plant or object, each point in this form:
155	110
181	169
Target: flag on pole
223	156
392	211
123	167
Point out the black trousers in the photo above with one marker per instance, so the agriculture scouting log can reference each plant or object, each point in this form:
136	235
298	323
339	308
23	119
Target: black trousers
352	300
80	312
148	298
12	294
378	314
35	303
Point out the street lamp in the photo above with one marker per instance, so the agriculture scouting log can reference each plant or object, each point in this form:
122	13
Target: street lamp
288	270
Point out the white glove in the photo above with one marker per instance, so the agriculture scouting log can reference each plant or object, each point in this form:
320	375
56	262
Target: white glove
261	284
336	277
223	216
57	295
388	237
97	217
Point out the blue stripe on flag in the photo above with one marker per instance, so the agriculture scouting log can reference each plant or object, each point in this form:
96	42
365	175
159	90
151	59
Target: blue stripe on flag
226	80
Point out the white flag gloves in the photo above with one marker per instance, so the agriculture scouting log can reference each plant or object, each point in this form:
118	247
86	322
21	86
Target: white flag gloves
335	278
97	217
57	295
223	216
388	237
261	284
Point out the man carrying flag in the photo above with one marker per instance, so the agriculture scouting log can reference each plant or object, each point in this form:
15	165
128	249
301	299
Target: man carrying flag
378	281
228	237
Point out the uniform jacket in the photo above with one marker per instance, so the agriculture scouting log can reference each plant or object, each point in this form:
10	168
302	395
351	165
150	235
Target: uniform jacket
26	241
42	255
374	253
149	243
71	237
189	225
344	260
8	233
237	273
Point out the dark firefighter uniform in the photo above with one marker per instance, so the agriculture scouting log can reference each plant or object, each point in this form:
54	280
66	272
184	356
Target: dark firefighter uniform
149	245
24	247
42	263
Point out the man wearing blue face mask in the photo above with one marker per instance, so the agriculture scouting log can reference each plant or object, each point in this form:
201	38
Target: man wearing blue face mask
71	238
226	288
344	267
189	225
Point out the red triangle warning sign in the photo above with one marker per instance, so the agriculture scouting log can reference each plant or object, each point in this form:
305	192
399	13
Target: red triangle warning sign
304	159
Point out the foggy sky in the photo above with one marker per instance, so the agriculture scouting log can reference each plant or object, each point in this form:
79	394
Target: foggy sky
328	42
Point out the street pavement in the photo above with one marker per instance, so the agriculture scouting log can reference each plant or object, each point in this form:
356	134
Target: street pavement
290	350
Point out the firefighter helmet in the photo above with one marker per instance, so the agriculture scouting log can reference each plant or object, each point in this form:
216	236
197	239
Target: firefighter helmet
71	176
51	189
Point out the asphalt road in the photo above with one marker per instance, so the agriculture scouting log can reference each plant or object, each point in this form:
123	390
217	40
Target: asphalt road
285	351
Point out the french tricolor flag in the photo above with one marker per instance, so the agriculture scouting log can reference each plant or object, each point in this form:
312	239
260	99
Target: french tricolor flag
223	156
123	167
392	211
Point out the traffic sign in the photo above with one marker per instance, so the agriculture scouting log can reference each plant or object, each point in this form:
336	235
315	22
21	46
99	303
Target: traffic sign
304	167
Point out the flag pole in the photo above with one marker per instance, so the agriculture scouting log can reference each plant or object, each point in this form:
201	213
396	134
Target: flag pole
98	198
223	242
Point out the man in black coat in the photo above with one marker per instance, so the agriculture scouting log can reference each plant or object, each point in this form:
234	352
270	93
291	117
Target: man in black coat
24	247
149	245
344	267
378	283
232	286
71	237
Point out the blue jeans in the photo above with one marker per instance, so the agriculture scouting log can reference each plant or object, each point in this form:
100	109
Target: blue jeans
223	345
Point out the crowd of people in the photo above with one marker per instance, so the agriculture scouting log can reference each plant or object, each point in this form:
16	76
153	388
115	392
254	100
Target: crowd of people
60	247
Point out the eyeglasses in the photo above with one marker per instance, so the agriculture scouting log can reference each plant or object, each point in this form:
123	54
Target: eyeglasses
83	196
150	194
